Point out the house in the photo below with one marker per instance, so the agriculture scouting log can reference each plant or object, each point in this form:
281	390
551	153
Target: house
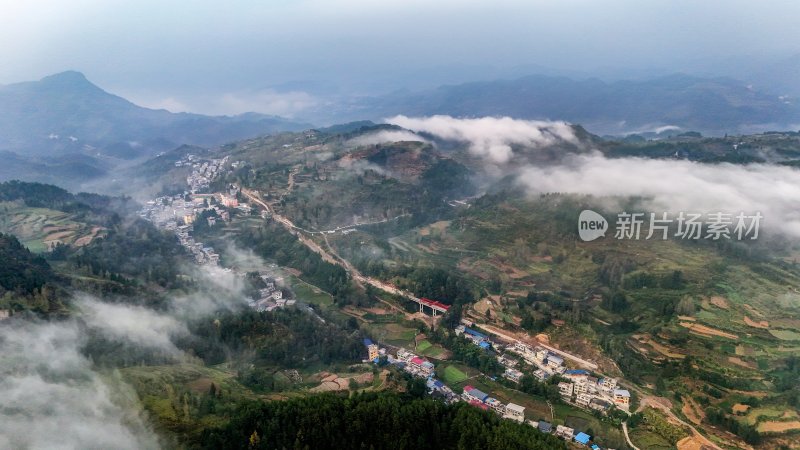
405	355
425	368
507	362
583	400
515	412
496	405
470	393
540	354
434	385
576	374
541	375
564	432
513	375
599	404
475	336
522	347
622	398
554	361
582	438
607	384
372	350
581	387
566	389
545	427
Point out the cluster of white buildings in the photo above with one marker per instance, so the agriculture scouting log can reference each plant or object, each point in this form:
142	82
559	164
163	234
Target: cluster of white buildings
176	213
546	362
271	296
581	388
415	365
202	171
589	392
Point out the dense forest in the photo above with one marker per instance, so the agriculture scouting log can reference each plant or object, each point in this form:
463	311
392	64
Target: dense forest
372	421
284	337
20	270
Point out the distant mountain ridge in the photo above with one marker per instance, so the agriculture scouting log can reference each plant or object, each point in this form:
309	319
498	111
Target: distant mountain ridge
709	105
65	113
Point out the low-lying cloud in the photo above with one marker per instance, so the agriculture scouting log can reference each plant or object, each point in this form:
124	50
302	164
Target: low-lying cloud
53	399
678	185
136	325
491	137
381	137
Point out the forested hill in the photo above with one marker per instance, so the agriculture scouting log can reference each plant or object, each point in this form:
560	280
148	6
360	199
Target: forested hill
372	421
20	270
39	195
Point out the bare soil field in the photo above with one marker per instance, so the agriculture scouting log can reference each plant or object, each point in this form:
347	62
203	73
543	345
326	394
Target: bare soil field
704	330
760	324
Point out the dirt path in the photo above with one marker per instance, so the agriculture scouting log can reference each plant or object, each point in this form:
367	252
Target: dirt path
627	438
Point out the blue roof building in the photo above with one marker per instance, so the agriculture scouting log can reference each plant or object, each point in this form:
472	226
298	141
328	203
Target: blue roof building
472	332
484	345
367	342
576	372
595	447
478	394
582	438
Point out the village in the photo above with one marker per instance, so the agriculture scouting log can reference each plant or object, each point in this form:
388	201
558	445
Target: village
580	389
178	213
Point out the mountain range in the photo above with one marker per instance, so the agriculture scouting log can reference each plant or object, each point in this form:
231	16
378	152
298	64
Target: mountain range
66	130
709	105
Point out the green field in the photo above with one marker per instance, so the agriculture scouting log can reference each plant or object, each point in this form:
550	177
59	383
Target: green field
308	294
453	375
424	345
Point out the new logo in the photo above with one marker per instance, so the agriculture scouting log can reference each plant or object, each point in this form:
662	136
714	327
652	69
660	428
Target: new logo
591	225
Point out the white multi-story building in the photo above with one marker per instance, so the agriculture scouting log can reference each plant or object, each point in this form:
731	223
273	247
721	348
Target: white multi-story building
515	412
583	400
566	389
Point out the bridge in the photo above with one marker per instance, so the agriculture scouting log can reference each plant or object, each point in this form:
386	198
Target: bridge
432	304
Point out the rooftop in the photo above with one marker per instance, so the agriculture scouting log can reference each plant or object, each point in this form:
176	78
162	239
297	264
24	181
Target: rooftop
582	438
516	408
622	392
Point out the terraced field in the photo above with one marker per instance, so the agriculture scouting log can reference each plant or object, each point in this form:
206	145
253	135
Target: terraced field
40	229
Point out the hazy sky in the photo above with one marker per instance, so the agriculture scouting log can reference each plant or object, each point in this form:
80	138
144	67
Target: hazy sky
283	54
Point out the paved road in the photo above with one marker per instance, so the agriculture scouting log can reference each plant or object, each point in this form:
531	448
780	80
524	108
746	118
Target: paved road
571	357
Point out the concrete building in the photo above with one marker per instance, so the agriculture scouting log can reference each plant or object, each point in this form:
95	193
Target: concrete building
622	398
583	400
372	350
513	375
515	412
554	361
564	432
471	393
566	389
607	384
